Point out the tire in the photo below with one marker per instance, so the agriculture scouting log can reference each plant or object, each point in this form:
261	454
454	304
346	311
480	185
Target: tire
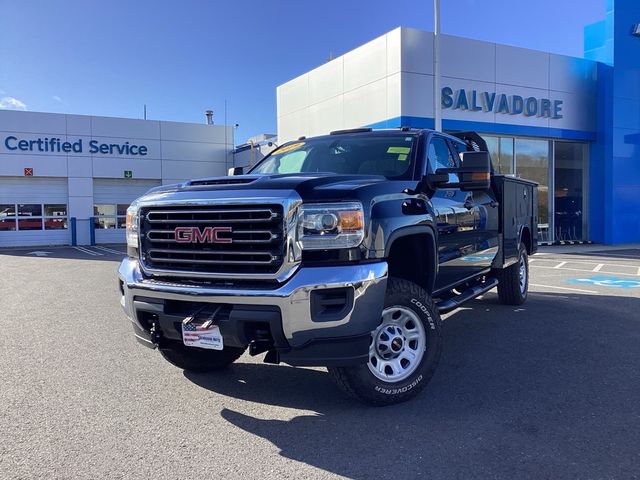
410	325
198	359
513	281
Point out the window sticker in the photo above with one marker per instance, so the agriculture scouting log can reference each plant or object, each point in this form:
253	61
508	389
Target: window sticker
288	148
401	150
402	157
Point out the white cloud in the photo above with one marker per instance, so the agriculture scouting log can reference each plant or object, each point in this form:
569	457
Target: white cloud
57	98
11	103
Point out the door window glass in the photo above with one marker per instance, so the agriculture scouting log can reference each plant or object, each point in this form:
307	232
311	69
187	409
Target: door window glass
439	154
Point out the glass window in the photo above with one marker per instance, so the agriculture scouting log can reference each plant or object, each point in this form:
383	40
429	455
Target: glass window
105	222
492	148
439	154
532	163
55	210
7	223
7	210
122	209
505	158
104	209
29	223
29	210
569	196
55	224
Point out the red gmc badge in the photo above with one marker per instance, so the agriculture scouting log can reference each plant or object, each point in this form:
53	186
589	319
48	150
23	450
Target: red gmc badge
206	235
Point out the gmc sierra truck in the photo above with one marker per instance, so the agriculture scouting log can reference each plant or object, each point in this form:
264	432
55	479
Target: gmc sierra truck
339	251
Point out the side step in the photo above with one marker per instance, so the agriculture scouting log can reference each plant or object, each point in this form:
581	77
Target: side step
445	306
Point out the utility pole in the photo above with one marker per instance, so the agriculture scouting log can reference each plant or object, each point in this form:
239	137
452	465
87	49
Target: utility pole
437	101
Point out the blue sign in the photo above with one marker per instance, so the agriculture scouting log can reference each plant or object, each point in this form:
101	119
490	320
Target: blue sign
56	145
476	101
606	281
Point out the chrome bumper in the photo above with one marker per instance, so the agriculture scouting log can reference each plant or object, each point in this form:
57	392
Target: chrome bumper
293	298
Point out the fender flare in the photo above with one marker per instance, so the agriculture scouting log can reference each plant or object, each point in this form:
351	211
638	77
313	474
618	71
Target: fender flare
416	230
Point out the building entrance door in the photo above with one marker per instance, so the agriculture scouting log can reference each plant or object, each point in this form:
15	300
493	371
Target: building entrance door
569	199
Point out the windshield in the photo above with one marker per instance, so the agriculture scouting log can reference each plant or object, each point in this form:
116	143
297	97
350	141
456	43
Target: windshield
388	155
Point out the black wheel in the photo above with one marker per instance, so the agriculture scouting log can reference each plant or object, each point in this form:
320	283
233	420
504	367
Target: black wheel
513	281
404	352
199	359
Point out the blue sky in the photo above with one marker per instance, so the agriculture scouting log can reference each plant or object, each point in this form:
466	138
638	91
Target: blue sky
110	57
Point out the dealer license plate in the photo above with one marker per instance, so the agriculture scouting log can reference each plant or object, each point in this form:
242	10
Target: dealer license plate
194	335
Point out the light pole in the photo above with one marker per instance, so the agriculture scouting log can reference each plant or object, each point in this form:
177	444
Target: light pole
437	102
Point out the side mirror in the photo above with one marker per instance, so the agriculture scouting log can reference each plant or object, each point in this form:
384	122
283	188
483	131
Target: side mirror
474	174
233	171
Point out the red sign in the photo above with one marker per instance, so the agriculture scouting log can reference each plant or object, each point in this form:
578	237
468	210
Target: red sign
28	172
206	235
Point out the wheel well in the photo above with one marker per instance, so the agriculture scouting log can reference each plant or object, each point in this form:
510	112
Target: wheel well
413	258
525	237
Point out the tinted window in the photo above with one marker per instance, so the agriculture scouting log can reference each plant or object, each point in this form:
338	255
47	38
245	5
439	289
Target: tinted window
439	154
388	155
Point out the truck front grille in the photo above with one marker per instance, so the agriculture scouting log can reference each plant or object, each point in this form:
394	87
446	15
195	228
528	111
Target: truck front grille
233	240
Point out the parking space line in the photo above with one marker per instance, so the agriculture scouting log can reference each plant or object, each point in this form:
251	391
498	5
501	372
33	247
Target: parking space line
552	287
109	250
598	267
560	265
88	252
588	262
582	270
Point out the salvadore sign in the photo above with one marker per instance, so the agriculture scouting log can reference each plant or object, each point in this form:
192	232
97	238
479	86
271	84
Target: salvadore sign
56	145
476	101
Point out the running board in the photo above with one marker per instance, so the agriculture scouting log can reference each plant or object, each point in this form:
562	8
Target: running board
445	306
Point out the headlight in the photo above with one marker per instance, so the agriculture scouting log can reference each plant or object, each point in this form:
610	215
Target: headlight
330	225
132	226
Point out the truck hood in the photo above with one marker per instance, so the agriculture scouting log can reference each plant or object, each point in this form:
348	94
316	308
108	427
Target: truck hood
310	186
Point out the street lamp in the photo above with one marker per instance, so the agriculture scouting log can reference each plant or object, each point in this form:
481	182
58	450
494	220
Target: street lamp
437	102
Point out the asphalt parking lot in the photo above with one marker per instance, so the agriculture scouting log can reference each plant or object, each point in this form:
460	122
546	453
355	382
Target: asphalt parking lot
546	390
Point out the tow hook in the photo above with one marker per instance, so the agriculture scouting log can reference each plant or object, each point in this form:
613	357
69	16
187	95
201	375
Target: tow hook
155	334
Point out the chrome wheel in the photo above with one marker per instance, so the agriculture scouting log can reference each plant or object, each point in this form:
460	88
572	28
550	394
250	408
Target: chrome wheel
522	275
397	345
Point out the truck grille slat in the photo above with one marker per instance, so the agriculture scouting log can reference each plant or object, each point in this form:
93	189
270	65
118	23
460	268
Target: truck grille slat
232	240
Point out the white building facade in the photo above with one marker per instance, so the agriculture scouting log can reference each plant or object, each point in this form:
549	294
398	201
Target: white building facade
68	179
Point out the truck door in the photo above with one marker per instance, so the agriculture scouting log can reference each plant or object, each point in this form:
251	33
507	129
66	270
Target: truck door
483	207
457	219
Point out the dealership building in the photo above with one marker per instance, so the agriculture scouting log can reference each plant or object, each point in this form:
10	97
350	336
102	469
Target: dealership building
68	179
570	124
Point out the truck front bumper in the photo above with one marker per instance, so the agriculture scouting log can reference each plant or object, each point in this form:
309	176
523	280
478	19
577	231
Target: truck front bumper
322	316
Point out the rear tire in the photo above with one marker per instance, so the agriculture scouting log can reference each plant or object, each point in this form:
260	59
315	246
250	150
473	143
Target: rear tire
513	281
195	359
405	349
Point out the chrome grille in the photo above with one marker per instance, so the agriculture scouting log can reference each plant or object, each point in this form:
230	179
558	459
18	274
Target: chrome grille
255	243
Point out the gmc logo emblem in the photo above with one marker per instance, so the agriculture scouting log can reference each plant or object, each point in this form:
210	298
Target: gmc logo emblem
206	235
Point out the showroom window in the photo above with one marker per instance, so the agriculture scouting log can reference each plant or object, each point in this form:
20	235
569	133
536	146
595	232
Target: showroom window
110	215
33	216
561	170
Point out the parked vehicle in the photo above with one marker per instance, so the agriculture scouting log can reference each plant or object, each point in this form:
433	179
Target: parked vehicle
341	251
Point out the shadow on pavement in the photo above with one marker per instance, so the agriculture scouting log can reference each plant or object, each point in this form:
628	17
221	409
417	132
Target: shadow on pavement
546	390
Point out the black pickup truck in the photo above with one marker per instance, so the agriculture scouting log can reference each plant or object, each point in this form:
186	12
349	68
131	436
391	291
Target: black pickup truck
341	251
